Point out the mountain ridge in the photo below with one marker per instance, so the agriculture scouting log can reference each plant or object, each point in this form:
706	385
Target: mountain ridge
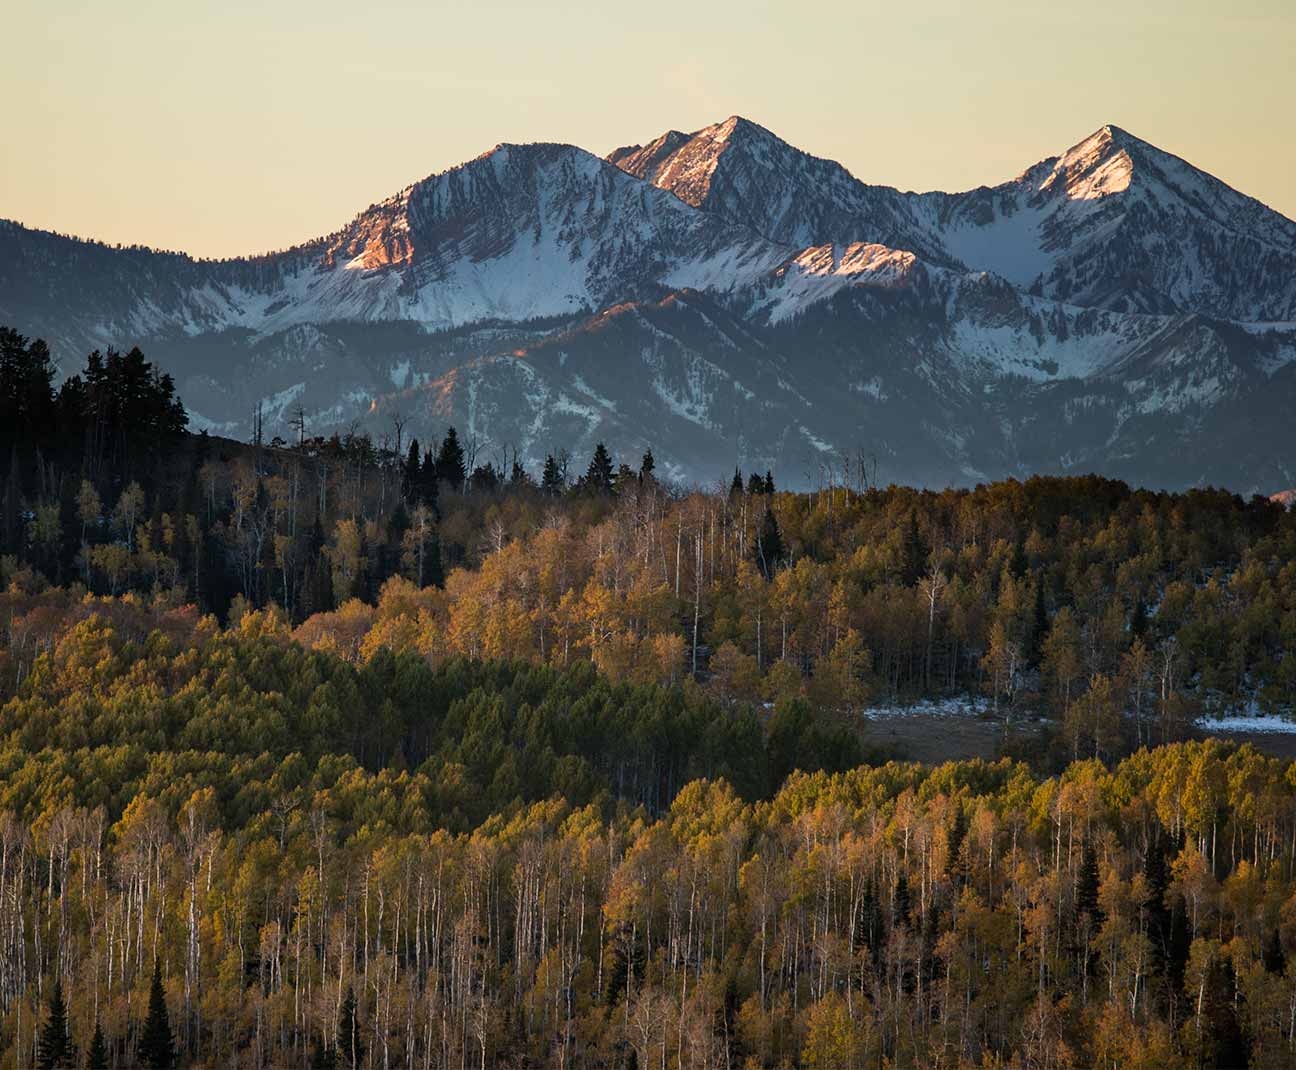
760	302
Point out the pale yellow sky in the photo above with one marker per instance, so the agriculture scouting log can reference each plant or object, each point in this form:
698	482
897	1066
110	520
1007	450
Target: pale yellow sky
234	127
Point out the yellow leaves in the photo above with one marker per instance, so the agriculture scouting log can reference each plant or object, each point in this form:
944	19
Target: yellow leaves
840	678
342	632
269	623
665	664
735	676
399	634
834	1039
345	552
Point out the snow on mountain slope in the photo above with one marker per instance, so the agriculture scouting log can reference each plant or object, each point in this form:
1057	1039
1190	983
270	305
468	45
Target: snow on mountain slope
741	171
724	298
523	232
1116	223
1113	222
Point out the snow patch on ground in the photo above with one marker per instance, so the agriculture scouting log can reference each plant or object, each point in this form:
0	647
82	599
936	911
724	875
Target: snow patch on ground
944	707
1269	723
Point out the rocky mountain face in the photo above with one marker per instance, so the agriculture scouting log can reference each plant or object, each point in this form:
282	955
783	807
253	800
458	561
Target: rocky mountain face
724	298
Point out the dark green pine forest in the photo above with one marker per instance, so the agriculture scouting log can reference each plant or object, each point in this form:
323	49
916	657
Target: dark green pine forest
354	752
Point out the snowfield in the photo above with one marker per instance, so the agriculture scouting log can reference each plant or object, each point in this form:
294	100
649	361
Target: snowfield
1261	722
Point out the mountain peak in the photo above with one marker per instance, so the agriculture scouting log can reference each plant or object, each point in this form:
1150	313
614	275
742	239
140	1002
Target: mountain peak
736	124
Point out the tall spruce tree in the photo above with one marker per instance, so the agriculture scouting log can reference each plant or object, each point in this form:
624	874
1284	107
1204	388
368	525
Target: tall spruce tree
350	1040
551	479
1086	899
156	1047
599	475
769	545
54	1048
450	463
412	471
98	1055
1223	1045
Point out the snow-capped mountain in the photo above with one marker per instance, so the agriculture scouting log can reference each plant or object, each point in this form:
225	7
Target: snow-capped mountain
1112	222
725	298
739	170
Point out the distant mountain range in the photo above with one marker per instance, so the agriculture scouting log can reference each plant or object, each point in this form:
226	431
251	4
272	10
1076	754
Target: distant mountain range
725	298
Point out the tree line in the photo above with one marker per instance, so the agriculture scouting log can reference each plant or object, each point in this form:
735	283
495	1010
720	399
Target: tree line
1122	614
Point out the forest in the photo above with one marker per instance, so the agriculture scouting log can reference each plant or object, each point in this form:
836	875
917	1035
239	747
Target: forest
338	753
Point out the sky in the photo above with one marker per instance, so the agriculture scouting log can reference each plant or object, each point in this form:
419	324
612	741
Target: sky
236	127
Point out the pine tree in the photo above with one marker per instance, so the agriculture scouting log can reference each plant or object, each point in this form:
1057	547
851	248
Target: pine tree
450	464
350	1044
1272	954
412	470
957	834
1223	1046
769	545
98	1058
913	552
519	476
1139	619
323	1058
736	485
551	479
54	1048
755	485
626	480
646	467
1018	565
1086	900
1038	628
1157	875
769	482
598	478
156	1048
902	904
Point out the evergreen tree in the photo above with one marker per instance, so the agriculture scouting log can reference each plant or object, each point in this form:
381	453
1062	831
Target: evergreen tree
769	482
519	476
769	545
1157	875
626	479
646	467
1086	900
1038	627
156	1047
755	484
598	477
551	478
412	471
98	1057
450	464
902	904
1272	954
957	834
1139	619
1223	1046
913	552
736	485
322	1057
350	1043
486	478
1018	565
26	391
54	1047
